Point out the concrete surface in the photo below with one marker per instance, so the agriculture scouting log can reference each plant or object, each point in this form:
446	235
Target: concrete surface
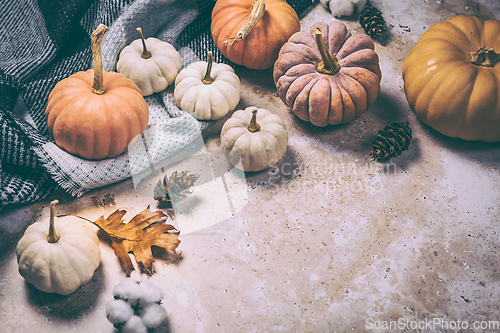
325	241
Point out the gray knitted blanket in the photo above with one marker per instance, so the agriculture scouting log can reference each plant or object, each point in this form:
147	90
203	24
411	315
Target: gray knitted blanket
45	41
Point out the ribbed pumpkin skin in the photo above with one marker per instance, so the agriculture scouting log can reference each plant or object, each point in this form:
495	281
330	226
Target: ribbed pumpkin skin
154	74
325	99
260	49
207	101
60	267
258	150
445	90
95	126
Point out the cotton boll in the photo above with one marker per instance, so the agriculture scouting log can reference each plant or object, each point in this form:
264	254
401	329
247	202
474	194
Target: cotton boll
118	311
134	325
344	7
153	315
129	290
149	294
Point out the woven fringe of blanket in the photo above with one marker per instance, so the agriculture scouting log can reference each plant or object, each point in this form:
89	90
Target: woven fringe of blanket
44	42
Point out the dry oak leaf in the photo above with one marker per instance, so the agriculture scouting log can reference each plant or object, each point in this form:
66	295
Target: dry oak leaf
137	236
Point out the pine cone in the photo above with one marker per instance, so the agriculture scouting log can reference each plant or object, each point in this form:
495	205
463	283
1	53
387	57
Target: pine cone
371	20
392	140
174	188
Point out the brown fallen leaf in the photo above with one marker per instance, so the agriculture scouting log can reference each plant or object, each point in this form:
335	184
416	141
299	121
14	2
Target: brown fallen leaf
137	236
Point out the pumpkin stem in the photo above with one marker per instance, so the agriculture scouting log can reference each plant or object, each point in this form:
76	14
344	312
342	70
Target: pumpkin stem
207	79
253	126
485	56
329	63
53	236
258	11
95	43
145	53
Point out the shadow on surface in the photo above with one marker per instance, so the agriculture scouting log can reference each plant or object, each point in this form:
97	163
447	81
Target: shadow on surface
482	152
284	171
356	138
69	307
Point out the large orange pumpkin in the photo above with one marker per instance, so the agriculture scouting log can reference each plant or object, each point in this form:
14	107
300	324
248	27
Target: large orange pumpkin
96	114
251	32
452	78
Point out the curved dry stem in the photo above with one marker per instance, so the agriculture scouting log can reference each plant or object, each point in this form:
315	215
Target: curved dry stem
207	79
253	126
53	236
95	43
145	53
329	63
258	11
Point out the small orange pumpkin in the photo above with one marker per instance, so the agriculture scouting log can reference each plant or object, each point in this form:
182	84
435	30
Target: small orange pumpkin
96	114
251	32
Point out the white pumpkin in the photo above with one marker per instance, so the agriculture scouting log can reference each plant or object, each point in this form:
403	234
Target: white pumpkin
256	136
207	89
340	8
152	64
58	256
